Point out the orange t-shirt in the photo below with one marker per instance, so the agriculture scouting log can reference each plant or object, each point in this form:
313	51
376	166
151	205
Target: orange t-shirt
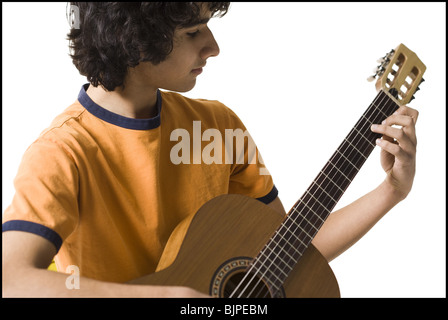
108	190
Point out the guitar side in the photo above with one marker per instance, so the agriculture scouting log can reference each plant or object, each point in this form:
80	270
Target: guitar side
228	227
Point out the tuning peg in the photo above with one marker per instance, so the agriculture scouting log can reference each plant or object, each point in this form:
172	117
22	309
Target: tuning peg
412	98
416	89
384	60
378	69
421	81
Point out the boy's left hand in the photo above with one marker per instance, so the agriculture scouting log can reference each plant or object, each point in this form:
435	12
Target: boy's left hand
398	146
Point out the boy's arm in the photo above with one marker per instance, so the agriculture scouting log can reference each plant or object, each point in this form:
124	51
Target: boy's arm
25	260
346	226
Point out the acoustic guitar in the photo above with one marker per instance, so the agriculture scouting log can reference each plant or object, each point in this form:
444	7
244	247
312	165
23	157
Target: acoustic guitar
236	246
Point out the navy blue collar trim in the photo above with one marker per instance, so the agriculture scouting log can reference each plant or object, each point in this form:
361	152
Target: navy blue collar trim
116	119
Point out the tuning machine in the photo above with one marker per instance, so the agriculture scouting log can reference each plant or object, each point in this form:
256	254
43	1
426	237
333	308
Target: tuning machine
383	61
417	89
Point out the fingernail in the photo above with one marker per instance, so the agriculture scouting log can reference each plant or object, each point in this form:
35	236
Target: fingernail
384	122
374	126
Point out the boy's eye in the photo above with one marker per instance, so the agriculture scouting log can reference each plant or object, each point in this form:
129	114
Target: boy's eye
193	34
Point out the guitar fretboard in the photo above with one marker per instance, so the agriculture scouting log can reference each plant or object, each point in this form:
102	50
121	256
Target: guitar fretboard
291	239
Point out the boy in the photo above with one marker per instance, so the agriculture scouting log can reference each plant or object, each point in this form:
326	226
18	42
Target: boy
100	189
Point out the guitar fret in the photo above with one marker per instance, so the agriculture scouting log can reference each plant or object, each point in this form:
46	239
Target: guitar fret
297	238
315	201
378	109
272	273
336	167
291	235
332	181
368	120
318	196
343	165
373	136
276	265
290	246
347	159
323	189
365	138
356	149
305	244
311	237
261	267
352	153
284	245
319	192
311	209
287	242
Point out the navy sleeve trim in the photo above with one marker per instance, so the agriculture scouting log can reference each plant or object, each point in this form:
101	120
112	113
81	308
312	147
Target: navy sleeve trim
32	227
270	196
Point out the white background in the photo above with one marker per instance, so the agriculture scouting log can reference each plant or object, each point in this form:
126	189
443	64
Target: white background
295	73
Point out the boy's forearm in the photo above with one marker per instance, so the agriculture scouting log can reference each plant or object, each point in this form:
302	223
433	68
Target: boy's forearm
347	225
35	282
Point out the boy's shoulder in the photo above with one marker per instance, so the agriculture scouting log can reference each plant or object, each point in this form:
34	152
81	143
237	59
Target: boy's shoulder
200	106
71	115
171	96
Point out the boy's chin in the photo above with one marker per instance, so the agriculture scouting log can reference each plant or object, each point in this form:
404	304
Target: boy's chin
181	88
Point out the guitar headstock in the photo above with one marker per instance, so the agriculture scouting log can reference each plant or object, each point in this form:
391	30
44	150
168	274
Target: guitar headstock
400	73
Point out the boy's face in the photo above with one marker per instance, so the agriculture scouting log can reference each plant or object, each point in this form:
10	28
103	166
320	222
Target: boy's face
192	46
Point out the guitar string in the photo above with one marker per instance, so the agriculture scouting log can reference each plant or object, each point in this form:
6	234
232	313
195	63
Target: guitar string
355	149
273	241
329	179
304	226
267	247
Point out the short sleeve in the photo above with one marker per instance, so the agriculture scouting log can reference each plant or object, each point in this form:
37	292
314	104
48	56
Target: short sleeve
249	175
46	188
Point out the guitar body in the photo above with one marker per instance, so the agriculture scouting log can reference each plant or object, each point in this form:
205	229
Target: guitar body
211	249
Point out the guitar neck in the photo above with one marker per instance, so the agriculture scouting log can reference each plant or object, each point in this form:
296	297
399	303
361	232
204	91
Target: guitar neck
312	209
308	214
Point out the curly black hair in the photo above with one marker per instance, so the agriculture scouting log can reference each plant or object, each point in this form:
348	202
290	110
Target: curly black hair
110	37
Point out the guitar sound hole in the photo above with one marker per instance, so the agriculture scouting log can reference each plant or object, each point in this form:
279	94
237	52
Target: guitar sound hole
239	286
